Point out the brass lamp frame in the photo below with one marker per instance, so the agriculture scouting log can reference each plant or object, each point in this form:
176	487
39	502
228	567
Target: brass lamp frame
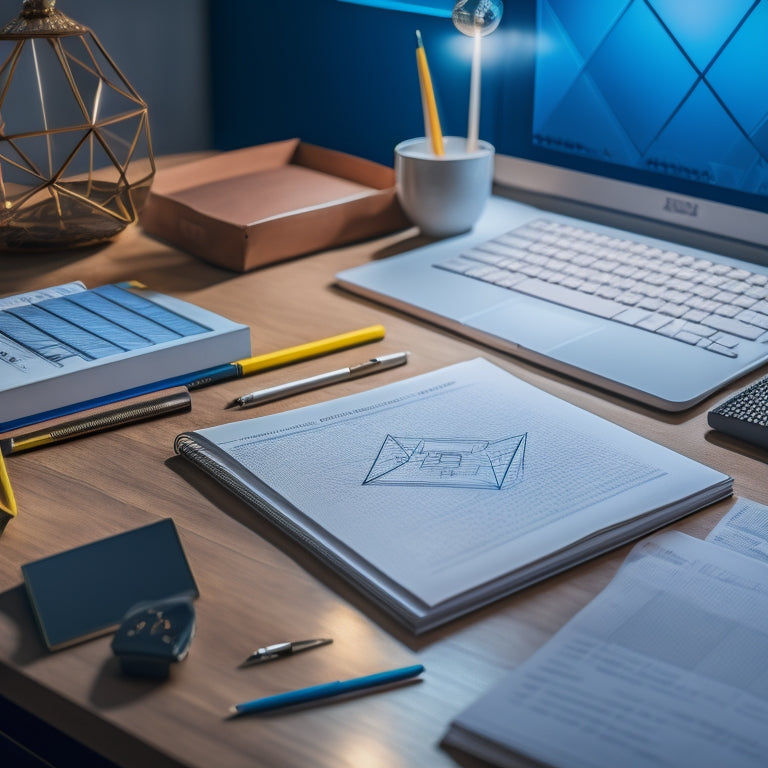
55	209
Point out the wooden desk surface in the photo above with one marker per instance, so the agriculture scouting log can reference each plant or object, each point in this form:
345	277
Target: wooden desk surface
256	587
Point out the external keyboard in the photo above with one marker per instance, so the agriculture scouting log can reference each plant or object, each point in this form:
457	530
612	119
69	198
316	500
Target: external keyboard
744	415
695	301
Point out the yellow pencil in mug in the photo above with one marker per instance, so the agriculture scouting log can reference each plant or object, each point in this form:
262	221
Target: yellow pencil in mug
431	119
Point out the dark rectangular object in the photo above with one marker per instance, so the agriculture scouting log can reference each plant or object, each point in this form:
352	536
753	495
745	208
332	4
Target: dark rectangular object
84	592
744	415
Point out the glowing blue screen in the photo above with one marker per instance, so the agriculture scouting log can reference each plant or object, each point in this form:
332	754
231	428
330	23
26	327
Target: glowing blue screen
671	87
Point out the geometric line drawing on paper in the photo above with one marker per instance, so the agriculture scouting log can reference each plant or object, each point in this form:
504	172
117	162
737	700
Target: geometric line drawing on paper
449	462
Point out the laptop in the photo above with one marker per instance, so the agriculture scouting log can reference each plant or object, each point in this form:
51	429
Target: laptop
634	130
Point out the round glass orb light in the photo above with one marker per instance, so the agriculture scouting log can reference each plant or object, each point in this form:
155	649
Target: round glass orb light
76	159
474	17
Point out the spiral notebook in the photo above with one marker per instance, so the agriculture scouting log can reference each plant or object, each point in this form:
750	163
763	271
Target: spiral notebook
441	493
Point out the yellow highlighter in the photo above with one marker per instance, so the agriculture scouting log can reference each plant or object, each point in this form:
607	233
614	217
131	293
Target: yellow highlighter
310	349
7	500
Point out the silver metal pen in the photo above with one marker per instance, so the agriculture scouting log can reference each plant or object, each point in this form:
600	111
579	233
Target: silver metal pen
314	382
279	650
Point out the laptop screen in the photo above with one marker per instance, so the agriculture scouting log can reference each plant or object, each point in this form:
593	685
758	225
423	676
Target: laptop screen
653	108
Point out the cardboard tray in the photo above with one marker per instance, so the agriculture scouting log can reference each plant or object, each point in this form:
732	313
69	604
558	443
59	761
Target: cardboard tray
256	206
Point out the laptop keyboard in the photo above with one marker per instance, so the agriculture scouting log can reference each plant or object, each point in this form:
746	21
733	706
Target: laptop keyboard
695	301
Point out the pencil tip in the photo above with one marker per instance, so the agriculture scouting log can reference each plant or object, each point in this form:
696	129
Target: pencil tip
418	38
233	404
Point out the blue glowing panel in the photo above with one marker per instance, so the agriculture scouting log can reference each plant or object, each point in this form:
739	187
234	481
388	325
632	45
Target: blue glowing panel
441	8
664	86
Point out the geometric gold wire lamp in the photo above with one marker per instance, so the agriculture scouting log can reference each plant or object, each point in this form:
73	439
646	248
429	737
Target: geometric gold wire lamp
76	159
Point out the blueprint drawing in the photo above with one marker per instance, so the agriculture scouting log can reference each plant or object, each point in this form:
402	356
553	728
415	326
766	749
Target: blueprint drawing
446	462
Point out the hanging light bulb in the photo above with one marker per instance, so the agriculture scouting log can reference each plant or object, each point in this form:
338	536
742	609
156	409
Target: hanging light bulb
473	17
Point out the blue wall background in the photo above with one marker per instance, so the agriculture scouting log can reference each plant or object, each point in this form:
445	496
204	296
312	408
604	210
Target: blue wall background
339	75
224	75
162	48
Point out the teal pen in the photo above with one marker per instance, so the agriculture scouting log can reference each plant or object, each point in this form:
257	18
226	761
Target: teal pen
326	690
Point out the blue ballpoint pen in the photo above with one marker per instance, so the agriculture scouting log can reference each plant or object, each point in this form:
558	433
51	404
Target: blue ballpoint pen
326	690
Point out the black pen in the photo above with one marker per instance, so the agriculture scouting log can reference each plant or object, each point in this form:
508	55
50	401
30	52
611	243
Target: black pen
118	414
314	382
279	650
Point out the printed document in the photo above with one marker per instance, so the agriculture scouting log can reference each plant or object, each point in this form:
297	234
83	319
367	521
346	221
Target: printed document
665	668
744	529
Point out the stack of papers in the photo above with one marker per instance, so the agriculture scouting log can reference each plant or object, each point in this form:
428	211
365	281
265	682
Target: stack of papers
665	667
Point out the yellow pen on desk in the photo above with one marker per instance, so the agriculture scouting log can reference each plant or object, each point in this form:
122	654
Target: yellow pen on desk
7	501
311	349
431	119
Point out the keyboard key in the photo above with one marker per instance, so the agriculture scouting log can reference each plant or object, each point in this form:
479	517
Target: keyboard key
754	318
698	329
745	302
725	340
653	322
673	310
633	316
688	338
733	327
694	315
720	350
655	304
594	305
509	280
672	328
725	310
484	272
456	265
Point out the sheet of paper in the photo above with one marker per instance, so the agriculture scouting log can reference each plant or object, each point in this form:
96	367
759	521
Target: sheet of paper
666	668
744	529
66	332
449	480
32	297
11	352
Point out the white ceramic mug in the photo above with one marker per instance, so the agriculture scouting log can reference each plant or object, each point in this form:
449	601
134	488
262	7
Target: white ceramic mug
443	194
